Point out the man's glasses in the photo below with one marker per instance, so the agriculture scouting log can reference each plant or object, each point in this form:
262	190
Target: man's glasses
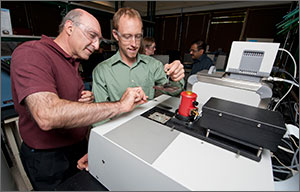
88	33
129	37
193	50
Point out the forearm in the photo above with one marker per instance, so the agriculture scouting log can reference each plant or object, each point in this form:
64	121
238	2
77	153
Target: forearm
50	112
73	114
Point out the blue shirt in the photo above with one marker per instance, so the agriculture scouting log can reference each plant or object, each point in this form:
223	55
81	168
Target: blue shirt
204	62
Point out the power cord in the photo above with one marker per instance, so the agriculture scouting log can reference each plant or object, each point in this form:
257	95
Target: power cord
277	69
292	170
285	162
280	79
295	72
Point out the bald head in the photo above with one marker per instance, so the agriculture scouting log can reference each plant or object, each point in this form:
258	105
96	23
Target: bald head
77	15
79	34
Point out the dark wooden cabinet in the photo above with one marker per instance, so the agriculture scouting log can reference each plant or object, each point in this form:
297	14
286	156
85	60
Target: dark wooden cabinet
43	17
218	27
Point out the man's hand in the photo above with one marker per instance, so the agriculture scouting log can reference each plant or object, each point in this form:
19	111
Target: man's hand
82	163
86	97
132	97
175	70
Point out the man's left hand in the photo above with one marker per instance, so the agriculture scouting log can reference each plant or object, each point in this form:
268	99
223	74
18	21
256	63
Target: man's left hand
175	70
87	97
82	163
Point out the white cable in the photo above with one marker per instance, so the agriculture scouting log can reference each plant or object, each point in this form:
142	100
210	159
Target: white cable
280	79
288	144
282	98
285	149
277	179
295	72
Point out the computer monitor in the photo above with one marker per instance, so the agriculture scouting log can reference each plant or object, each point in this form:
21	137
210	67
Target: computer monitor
163	58
220	62
252	58
211	56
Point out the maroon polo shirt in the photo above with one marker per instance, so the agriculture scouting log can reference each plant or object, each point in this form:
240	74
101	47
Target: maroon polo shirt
38	66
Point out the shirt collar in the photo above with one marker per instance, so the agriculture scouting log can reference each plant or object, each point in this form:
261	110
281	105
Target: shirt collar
55	46
201	57
117	58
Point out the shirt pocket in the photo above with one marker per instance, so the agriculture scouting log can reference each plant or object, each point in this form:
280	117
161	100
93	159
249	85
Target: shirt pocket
147	86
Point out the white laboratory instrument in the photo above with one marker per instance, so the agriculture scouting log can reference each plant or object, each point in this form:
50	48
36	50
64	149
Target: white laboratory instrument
133	152
142	151
248	63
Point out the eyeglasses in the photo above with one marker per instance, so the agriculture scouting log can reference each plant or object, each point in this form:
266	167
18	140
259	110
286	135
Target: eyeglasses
88	33
193	50
152	47
129	37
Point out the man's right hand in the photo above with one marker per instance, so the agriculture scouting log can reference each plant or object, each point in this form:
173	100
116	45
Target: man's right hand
132	97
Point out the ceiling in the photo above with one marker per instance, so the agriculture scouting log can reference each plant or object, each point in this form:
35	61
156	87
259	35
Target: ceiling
172	7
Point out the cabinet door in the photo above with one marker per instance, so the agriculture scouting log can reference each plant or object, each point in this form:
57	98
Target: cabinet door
194	28
167	37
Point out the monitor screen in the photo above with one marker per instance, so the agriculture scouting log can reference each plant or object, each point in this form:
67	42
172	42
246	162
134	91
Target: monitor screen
162	58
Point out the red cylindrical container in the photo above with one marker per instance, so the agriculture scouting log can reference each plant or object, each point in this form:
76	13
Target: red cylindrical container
187	103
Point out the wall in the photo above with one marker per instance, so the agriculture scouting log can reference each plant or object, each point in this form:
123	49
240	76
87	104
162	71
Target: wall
218	27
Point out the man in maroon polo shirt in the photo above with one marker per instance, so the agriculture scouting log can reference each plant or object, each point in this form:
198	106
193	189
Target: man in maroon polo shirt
54	110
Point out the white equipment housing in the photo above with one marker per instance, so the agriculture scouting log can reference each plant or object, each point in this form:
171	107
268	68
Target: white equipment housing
132	153
248	62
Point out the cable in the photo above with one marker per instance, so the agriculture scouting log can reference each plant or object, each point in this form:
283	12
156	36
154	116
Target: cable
295	72
295	64
293	141
280	79
296	110
288	144
285	149
282	167
292	170
277	179
284	71
277	69
281	171
295	159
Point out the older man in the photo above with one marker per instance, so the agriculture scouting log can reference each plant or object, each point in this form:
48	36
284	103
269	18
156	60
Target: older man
54	110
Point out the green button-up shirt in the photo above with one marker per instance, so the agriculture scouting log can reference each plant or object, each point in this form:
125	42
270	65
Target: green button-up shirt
112	77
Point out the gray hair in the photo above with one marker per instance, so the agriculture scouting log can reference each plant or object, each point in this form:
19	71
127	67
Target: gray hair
73	16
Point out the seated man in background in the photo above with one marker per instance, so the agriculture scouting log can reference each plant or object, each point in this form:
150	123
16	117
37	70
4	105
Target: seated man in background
201	60
148	46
